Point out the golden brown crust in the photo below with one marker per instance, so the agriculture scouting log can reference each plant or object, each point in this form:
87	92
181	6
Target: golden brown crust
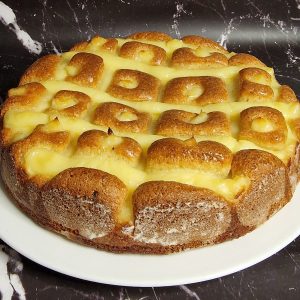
134	50
273	139
43	69
295	125
99	142
150	36
212	90
179	122
121	117
255	85
188	58
88	67
110	45
97	42
203	42
80	46
53	141
78	109
208	156
244	59
145	86
24	97
286	94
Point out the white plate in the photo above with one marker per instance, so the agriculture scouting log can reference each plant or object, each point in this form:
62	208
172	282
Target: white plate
59	254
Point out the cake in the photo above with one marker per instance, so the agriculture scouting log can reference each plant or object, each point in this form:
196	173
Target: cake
149	144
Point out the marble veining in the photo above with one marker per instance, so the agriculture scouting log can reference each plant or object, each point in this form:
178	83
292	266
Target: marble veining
176	18
223	39
8	18
189	292
10	268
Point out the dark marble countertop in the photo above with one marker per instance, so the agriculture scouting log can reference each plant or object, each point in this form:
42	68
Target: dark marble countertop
268	29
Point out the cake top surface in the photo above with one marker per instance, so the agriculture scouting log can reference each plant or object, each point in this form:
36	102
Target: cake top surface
150	108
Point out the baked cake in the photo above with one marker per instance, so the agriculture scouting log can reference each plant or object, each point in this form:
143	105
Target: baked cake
150	144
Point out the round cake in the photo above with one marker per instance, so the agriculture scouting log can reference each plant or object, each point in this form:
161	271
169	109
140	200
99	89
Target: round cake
149	144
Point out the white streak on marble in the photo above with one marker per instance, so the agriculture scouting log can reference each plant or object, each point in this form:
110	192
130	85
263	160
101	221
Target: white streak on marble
43	23
125	2
122	293
88	6
253	5
251	288
77	292
298	3
241	285
5	285
176	17
293	260
8	18
293	58
189	292
289	77
233	296
223	5
17	285
283	26
223	39
54	48
153	289
295	19
74	16
10	283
